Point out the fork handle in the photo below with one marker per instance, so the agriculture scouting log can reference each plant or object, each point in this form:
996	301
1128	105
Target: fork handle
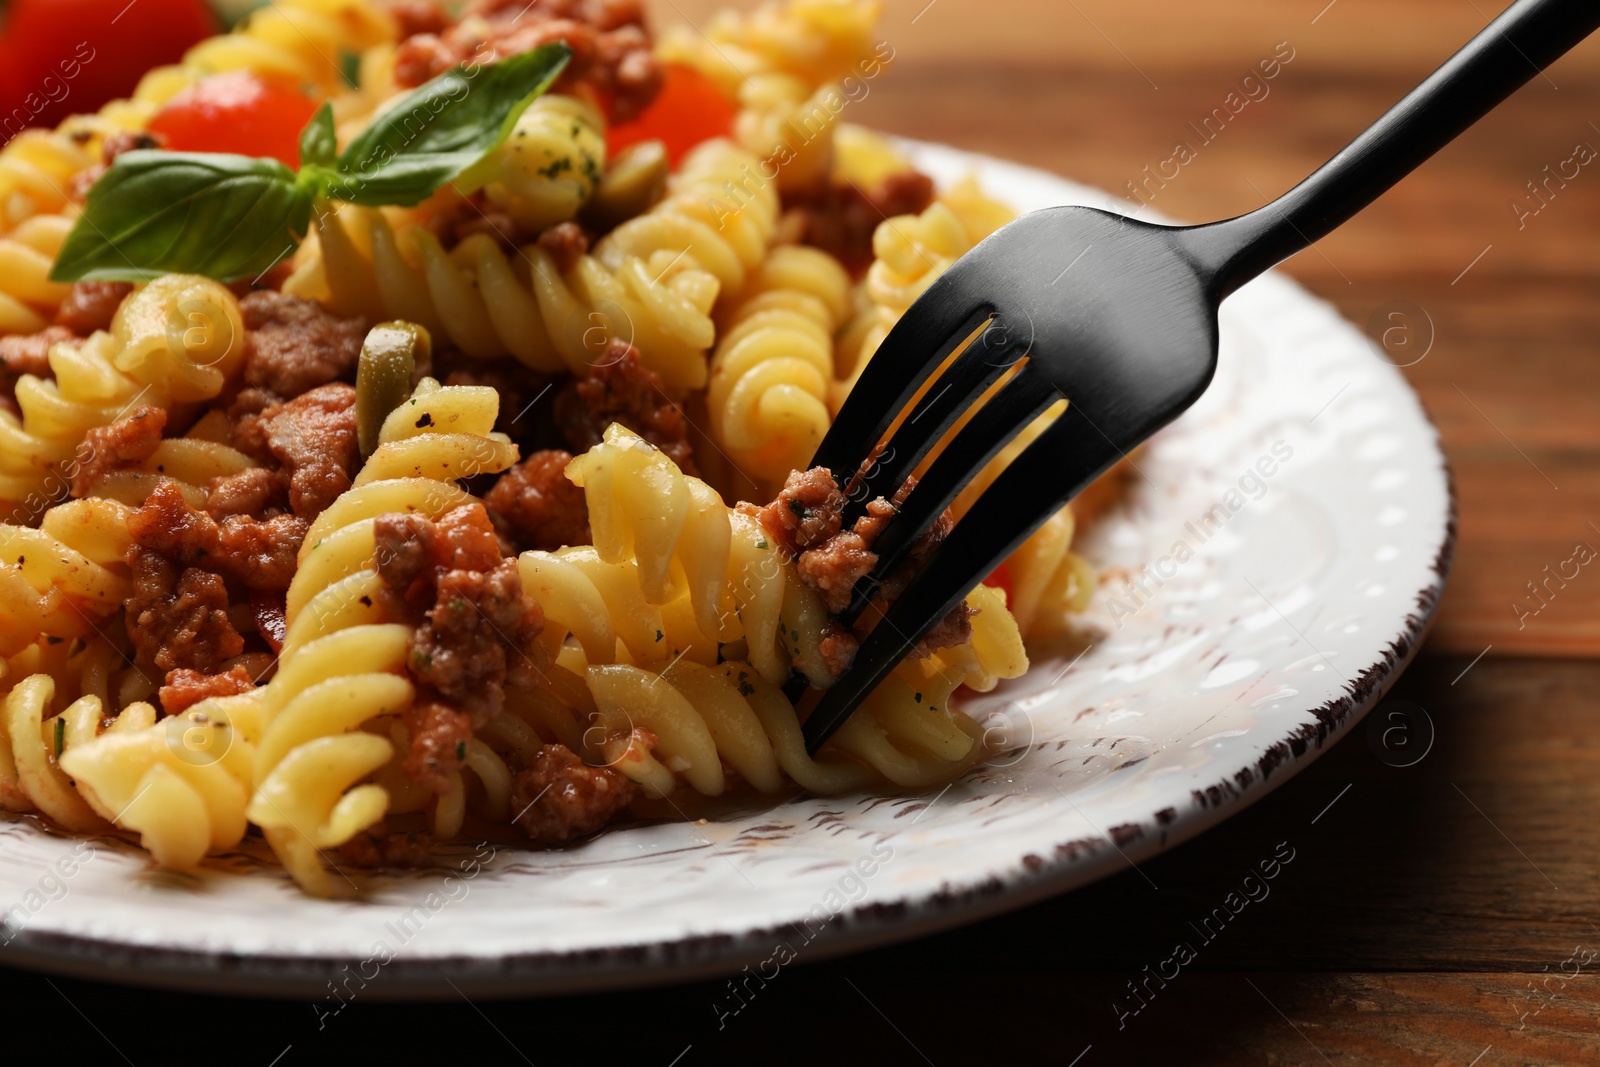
1527	37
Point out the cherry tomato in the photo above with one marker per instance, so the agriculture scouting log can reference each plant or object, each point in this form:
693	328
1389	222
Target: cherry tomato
240	112
1000	578
70	57
690	109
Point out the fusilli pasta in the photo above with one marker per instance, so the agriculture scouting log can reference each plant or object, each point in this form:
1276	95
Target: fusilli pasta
178	339
773	369
653	282
685	618
343	662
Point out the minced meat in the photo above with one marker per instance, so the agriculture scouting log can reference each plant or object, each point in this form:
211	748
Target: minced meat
293	345
560	797
261	555
91	306
125	443
177	618
185	688
474	625
439	738
841	218
612	55
807	521
534	505
314	437
620	389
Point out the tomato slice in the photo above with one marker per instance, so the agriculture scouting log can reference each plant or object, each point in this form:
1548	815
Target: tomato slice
1000	578
689	110
240	112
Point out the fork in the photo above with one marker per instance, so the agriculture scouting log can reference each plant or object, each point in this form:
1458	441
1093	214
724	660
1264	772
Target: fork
1131	343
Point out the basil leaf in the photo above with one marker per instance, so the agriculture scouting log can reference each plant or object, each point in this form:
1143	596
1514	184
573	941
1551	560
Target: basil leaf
156	212
440	129
319	143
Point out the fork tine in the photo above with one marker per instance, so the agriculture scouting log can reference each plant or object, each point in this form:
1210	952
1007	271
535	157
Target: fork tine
920	342
1069	455
948	396
996	423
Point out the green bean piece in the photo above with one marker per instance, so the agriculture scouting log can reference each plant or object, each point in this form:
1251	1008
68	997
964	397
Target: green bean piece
389	357
634	181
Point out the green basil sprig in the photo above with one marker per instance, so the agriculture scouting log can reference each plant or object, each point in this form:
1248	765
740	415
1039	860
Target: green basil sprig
229	216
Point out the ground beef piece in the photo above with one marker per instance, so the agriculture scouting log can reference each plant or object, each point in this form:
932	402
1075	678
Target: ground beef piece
314	437
621	389
837	648
476	638
293	345
474	624
474	214
439	737
809	510
256	492
260	554
952	630
403	553
534	506
249	435
567	243
186	688
168	525
91	306
834	567
464	539
30	353
178	618
113	146
612	54
841	218
561	797
377	847
806	518
125	443
418	16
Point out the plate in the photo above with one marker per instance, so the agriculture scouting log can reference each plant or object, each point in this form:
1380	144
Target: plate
1269	574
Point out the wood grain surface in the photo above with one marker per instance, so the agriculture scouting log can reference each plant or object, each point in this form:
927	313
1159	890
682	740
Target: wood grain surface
1442	913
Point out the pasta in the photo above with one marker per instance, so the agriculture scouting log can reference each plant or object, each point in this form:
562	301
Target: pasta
674	586
783	64
773	369
179	339
307	563
64	579
342	664
652	283
549	167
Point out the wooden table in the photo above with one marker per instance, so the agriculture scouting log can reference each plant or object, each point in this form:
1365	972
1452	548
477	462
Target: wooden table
1446	913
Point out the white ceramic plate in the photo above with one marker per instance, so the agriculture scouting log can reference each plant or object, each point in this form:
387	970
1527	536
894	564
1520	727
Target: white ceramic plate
1305	595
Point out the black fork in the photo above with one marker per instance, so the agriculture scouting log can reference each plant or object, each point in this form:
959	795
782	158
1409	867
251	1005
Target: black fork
1117	316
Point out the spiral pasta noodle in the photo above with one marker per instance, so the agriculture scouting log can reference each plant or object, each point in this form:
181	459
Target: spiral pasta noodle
773	369
180	338
343	663
65	579
548	168
816	41
653	282
676	589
